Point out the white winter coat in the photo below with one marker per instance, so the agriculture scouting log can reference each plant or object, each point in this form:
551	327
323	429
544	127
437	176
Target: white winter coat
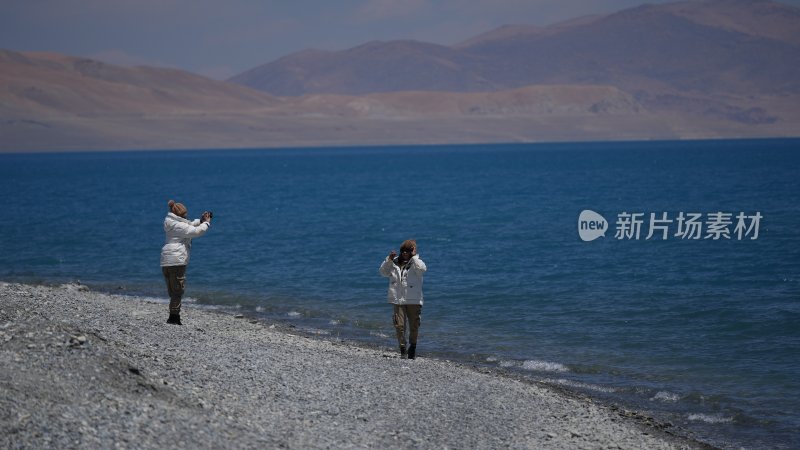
180	232
405	285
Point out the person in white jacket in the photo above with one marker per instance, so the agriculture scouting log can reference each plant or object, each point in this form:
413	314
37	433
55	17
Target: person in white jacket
405	274
175	253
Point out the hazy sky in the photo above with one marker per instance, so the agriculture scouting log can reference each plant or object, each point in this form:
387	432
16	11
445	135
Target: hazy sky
222	38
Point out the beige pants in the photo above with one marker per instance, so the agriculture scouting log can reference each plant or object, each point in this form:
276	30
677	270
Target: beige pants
410	314
175	276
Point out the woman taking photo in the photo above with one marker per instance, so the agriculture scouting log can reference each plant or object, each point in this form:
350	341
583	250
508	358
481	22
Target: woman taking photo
175	253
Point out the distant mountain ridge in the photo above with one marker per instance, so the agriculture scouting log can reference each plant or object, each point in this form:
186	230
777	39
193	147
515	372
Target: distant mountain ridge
687	70
53	84
714	46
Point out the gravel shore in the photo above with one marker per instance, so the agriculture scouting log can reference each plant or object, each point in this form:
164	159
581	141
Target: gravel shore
82	369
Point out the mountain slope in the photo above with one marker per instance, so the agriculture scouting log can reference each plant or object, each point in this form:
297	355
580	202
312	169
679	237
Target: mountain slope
649	47
51	84
760	18
373	67
51	102
717	47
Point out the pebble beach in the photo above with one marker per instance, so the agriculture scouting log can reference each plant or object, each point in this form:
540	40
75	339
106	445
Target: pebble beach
85	369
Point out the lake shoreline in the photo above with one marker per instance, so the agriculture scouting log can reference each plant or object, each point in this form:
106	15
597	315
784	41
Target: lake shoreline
84	368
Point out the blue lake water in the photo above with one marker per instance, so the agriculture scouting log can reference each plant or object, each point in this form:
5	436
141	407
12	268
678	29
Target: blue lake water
703	333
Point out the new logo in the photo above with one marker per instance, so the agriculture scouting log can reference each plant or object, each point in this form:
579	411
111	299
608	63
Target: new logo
591	225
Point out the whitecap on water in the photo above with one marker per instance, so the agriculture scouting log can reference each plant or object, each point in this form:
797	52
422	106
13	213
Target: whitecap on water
579	385
259	309
317	331
664	396
294	314
334	322
544	366
709	418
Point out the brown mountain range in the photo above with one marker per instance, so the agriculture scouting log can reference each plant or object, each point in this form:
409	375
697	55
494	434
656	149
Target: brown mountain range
705	69
717	46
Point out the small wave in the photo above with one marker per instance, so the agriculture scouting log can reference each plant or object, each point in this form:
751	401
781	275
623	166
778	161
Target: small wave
164	300
150	299
378	334
75	287
709	418
259	309
544	366
294	314
317	331
579	385
532	365
664	396
334	322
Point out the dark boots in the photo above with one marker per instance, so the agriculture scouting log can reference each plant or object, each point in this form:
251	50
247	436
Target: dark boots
174	319
411	353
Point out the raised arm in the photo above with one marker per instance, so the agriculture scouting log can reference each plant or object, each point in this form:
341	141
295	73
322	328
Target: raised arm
190	229
418	265
386	266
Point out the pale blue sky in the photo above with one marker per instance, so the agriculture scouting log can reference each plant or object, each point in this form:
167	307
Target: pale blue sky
222	38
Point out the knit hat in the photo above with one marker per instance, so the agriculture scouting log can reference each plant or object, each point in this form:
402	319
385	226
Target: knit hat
177	208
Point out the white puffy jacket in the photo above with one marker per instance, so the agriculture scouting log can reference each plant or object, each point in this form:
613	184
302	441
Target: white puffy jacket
405	285
180	232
